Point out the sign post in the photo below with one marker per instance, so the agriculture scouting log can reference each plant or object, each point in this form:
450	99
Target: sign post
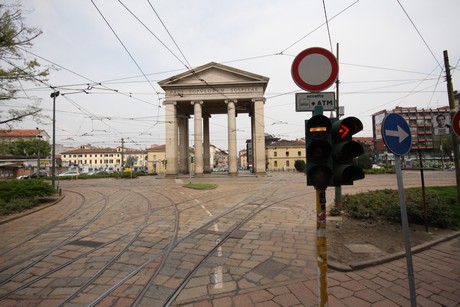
314	70
396	136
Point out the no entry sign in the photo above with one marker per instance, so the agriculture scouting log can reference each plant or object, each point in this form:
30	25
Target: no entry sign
456	123
314	69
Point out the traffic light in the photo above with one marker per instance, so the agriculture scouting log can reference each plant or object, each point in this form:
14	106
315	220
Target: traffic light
344	150
319	151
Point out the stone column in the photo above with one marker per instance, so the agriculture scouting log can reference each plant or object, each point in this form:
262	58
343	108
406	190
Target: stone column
259	136
232	161
183	144
171	147
198	119
206	153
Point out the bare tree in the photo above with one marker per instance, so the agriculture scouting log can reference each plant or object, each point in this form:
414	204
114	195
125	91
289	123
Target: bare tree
15	67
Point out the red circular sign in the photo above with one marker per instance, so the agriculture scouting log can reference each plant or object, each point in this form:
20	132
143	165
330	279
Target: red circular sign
456	123
314	69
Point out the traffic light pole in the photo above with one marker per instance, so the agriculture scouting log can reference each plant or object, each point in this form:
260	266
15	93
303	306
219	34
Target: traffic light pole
338	189
321	244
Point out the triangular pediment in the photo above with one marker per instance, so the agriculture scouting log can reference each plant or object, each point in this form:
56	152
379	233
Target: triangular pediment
213	74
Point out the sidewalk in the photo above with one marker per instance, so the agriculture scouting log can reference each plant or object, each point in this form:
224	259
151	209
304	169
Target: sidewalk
437	281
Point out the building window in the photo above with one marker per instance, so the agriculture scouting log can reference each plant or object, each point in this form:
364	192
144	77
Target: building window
299	153
287	153
287	163
275	154
275	164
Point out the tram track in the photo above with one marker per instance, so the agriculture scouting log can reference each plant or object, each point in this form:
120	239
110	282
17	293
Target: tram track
162	234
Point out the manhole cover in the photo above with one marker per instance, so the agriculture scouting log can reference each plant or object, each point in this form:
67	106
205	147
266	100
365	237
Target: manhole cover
238	234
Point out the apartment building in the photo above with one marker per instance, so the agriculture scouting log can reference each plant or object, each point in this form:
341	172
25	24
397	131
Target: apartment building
88	159
281	155
430	138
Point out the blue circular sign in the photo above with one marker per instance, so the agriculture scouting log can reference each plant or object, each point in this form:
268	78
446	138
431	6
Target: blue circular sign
396	134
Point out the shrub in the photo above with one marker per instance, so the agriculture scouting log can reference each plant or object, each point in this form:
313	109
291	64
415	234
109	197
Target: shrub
384	204
300	165
19	195
11	189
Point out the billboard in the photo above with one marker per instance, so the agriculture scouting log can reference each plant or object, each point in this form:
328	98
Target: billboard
441	123
378	119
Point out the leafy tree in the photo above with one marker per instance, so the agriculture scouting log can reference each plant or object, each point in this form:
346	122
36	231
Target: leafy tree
364	161
27	148
15	67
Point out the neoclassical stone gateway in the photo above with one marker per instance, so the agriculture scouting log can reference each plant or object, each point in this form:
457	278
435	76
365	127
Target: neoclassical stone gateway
212	89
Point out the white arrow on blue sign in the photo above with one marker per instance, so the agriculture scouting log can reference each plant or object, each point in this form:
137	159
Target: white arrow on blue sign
396	134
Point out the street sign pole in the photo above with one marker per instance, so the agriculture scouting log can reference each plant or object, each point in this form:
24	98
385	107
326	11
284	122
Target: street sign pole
397	137
405	226
321	245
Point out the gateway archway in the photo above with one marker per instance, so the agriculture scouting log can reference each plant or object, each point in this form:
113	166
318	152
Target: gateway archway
212	89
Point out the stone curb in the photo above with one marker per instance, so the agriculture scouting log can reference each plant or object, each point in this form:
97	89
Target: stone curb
368	263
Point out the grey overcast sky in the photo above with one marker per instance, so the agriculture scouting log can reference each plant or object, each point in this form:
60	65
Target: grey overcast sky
111	54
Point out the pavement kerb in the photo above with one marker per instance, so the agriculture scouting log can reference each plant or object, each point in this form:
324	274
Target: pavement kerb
368	263
16	216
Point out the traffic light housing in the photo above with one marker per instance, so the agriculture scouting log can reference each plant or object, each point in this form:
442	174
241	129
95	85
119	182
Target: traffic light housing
344	150
319	151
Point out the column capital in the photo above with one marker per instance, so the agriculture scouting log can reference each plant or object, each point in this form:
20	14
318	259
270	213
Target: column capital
258	99
193	102
227	101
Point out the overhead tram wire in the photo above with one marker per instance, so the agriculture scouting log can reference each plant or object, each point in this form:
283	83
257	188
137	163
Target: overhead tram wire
159	40
314	30
126	49
86	78
327	25
172	38
416	29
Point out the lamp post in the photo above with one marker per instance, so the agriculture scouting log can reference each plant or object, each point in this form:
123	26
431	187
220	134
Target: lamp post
39	137
53	158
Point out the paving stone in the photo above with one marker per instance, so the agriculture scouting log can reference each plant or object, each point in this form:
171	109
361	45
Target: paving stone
269	268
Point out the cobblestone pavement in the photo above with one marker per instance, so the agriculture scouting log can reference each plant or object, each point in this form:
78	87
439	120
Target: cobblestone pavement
250	242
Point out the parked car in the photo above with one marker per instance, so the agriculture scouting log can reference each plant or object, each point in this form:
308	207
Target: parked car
33	175
68	173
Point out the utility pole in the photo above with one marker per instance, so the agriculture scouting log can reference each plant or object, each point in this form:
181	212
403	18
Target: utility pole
450	94
53	156
122	154
338	189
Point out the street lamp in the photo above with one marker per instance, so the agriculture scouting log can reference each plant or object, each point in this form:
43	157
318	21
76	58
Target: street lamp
54	95
39	137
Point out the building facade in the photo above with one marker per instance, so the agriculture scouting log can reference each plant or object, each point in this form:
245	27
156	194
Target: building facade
89	159
281	155
430	131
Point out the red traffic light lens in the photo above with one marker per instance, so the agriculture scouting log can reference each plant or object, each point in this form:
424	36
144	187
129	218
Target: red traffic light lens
346	128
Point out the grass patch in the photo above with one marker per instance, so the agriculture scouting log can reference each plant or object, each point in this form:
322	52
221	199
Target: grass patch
201	186
442	209
19	195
